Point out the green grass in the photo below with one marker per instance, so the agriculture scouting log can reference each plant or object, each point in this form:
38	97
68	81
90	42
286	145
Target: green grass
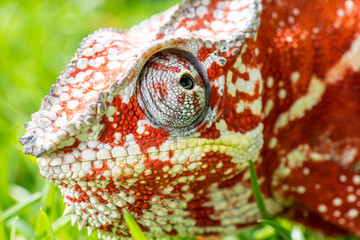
134	228
37	40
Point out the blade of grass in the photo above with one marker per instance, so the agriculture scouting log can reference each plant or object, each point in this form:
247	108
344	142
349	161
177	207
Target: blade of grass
22	228
257	193
17	207
61	221
134	228
50	202
49	228
13	228
264	232
2	227
280	230
40	228
244	236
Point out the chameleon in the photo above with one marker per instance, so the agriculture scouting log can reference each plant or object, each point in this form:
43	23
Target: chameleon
162	120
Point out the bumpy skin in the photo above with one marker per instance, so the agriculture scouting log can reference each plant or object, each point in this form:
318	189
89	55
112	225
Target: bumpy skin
162	119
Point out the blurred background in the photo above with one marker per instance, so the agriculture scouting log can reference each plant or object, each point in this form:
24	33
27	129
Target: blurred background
37	40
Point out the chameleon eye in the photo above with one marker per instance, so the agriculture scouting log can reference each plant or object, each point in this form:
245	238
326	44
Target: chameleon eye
172	92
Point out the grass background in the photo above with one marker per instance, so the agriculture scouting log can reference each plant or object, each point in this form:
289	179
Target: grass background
37	40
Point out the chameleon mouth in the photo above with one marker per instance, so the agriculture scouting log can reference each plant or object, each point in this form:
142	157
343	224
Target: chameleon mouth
65	168
121	162
28	143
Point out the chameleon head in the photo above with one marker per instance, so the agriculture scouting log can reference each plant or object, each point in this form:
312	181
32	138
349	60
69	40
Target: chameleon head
154	120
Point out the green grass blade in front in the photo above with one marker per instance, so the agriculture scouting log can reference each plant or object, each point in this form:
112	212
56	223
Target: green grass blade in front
40	228
23	228
17	207
280	230
2	227
134	228
60	222
13	228
49	228
257	193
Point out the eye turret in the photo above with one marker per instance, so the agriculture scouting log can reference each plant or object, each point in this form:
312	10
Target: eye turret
172	92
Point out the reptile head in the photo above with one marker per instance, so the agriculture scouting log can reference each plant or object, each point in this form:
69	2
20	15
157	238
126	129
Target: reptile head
157	120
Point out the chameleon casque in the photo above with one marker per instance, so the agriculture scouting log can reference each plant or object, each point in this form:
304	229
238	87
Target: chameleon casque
163	118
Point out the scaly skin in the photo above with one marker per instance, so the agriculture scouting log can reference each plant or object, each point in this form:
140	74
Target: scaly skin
162	119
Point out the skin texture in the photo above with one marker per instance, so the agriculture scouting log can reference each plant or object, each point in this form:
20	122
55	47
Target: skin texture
123	128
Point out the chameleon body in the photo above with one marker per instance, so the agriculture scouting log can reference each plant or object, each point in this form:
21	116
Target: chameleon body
163	118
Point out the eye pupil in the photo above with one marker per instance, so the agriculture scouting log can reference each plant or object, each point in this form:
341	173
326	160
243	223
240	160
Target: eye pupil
187	82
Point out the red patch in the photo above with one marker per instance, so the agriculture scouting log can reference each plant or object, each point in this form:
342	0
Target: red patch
125	121
204	52
210	133
69	149
214	71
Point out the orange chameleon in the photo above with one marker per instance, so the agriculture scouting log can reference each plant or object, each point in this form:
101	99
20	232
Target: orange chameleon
162	119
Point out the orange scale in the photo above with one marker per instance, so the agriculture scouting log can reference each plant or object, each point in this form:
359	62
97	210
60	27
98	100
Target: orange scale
138	137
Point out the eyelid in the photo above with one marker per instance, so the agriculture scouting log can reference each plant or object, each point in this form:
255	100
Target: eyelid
188	74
